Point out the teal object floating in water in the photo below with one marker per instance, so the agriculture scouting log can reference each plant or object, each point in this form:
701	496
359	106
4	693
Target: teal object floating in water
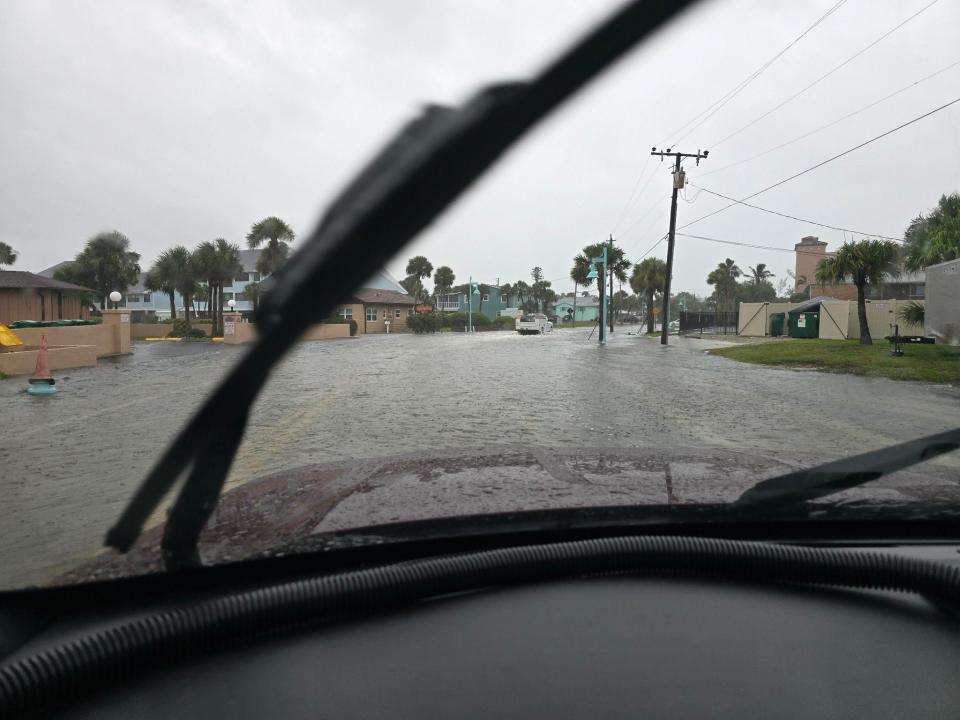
42	389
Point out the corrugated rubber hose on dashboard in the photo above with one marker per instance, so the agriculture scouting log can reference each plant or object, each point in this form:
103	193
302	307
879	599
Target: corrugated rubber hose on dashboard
34	684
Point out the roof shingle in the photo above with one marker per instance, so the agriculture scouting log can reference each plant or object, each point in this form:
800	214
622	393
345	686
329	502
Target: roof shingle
22	279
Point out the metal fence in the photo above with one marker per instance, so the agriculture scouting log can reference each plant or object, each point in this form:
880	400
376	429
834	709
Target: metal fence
709	323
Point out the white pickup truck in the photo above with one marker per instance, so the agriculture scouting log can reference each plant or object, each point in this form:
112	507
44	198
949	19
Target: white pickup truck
535	324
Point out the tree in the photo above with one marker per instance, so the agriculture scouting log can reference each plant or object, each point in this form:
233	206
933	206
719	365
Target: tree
161	277
617	265
277	235
175	271
413	286
865	262
522	289
217	262
934	238
648	279
760	273
8	256
105	264
578	273
537	274
419	267
755	292
252	293
443	279
724	279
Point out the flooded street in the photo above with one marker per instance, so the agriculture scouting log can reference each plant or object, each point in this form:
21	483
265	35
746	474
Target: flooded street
71	461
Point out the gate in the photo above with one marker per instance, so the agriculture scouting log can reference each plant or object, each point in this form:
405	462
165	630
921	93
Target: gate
710	323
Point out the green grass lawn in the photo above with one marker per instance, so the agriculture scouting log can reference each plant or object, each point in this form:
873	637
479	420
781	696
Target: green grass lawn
932	363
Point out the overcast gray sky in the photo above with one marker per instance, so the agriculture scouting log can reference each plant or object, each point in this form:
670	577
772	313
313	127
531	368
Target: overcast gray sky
179	122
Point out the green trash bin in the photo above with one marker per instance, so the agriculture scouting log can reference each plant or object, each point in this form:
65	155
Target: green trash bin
804	325
776	324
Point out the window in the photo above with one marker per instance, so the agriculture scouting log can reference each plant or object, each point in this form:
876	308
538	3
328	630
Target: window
504	299
919	290
227	296
396	313
465	298
242	277
485	297
254	276
133	298
371	314
146	297
346	312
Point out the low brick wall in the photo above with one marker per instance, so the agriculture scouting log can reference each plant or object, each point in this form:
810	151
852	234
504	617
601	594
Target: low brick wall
108	339
23	359
139	331
237	333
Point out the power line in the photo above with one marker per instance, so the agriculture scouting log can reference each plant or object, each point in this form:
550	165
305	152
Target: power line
749	245
712	109
633	192
824	76
794	217
824	162
835	122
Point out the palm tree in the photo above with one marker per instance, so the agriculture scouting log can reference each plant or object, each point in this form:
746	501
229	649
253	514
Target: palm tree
443	279
934	238
8	256
724	279
161	278
252	293
760	273
276	234
865	262
649	278
578	273
522	289
176	268
419	267
217	262
106	264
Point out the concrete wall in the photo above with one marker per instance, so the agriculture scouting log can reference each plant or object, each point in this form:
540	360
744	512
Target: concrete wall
238	333
112	337
942	318
839	320
139	331
22	360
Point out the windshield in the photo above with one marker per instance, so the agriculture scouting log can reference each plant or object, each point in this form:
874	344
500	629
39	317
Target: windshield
738	261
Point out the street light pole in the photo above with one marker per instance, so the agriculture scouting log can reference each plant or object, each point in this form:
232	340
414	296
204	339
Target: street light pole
601	260
470	304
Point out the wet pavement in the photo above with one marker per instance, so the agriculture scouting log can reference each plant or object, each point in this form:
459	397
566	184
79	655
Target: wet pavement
364	430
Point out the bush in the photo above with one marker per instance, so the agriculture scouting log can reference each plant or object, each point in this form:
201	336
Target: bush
505	322
458	320
353	327
180	329
195	333
423	323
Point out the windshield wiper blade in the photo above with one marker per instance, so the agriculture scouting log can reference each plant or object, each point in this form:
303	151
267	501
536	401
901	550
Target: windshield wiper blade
823	480
399	193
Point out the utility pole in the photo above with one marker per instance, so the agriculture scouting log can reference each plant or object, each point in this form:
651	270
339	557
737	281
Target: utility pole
610	273
678	180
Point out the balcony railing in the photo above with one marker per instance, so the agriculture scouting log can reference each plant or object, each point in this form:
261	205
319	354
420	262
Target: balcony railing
448	306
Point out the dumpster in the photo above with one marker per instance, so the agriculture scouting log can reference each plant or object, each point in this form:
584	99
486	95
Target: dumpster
776	324
804	325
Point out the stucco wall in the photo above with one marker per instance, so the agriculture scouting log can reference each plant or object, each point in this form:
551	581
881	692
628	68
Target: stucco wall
23	361
139	331
238	333
384	313
756	319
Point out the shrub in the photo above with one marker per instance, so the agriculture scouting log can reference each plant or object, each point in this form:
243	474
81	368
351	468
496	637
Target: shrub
179	328
459	320
195	333
424	323
505	322
353	327
912	313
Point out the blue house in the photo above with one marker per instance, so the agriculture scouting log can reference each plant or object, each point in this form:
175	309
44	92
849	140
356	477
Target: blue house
588	306
491	302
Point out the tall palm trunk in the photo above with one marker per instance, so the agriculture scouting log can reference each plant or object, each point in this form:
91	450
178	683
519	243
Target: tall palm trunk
173	306
865	338
650	311
218	326
187	302
574	303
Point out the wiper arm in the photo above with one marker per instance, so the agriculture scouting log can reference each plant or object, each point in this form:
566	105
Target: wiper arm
401	191
834	477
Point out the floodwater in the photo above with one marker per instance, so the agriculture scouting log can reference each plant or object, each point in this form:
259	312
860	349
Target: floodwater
68	463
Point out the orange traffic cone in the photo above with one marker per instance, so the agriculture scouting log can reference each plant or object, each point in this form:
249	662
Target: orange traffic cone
42	372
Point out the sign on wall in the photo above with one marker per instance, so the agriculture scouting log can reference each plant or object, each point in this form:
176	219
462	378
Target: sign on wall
229	328
125	317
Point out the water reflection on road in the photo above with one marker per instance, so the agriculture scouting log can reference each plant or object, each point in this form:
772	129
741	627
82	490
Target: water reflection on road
68	463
